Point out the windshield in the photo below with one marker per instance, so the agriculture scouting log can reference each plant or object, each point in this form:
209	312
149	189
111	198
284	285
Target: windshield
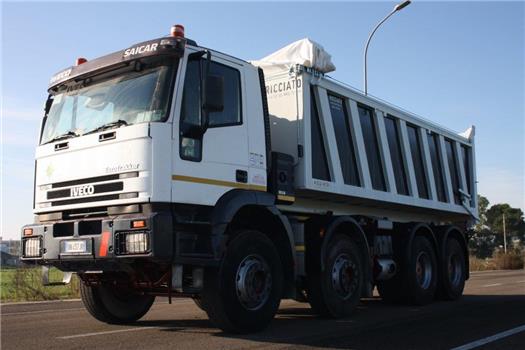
129	98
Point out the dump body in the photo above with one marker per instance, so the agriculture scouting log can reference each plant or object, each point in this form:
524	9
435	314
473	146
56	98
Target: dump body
358	155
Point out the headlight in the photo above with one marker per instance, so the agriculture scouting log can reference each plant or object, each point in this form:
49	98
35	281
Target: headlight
32	247
133	242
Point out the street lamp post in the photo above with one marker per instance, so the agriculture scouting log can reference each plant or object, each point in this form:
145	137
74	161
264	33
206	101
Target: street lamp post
398	7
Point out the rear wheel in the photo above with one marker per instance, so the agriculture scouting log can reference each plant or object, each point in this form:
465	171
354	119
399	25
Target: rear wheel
244	293
453	271
416	281
422	272
113	304
335	291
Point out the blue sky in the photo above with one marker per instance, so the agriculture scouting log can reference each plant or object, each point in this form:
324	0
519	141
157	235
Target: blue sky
455	63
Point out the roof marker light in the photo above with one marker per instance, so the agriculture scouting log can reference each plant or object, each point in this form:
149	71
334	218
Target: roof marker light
177	31
80	61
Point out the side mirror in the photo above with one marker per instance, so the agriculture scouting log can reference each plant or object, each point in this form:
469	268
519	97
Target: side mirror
214	94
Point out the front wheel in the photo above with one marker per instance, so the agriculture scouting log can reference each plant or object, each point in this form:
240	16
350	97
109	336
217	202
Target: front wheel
244	293
114	304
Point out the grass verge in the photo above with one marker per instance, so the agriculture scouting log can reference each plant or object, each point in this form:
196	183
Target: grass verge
25	284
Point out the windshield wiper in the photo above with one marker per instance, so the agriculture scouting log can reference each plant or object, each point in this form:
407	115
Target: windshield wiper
110	125
67	135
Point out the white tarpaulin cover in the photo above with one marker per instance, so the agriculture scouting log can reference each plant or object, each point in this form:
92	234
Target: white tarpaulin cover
305	52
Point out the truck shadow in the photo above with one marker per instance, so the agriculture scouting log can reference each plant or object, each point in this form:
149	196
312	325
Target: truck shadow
297	325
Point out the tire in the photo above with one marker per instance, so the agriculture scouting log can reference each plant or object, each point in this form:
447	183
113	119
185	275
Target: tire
108	305
244	293
453	271
422	272
336	291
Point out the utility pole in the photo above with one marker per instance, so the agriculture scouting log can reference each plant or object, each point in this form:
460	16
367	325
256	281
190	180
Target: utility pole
504	235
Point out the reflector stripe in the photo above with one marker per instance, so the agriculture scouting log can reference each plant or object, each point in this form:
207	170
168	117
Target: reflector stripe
214	182
104	241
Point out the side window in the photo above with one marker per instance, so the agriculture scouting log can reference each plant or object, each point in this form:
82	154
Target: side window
191	112
231	114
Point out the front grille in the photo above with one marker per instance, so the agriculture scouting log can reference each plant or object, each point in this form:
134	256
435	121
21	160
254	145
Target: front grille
85	181
100	188
108	197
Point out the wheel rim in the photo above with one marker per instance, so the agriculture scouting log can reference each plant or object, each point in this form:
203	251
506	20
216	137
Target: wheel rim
455	270
345	276
423	270
253	282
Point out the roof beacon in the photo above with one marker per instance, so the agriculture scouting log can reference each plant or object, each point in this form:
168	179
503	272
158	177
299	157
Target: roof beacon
80	61
177	31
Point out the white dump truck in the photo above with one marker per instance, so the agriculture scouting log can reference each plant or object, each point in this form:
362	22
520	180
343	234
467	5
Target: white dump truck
170	169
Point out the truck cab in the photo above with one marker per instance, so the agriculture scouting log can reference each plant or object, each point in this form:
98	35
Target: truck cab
170	169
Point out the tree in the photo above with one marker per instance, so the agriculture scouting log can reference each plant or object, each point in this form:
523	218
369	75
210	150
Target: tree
482	240
483	204
514	223
487	234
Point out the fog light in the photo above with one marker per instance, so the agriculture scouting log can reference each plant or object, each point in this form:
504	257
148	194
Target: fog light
137	242
32	247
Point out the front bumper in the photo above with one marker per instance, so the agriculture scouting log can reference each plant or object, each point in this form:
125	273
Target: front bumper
105	242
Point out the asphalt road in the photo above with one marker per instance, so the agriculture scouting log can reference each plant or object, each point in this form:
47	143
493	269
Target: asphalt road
494	302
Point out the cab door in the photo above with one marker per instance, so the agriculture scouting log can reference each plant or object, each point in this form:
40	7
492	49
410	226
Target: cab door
208	165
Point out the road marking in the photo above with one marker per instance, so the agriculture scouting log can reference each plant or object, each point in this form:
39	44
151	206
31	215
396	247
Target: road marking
40	311
491	339
107	332
493	285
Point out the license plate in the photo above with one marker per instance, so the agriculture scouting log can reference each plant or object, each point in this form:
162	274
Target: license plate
75	247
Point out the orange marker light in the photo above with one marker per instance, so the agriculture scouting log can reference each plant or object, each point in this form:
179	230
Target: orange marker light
80	61
28	232
138	224
177	31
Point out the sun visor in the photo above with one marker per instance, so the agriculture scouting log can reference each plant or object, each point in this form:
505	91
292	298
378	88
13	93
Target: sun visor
305	52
